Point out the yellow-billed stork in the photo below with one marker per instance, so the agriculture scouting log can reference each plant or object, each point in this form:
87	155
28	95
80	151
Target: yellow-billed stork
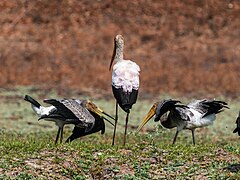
196	114
84	114
237	129
125	82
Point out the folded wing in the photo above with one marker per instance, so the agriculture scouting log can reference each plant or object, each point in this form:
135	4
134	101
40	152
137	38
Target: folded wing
73	111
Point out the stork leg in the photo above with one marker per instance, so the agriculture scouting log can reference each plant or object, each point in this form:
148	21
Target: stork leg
61	135
125	133
193	137
59	130
115	126
175	137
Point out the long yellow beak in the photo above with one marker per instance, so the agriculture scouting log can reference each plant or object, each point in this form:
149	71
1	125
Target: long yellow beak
93	108
150	114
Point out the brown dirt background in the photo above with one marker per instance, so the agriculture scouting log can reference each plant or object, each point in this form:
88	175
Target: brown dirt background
187	47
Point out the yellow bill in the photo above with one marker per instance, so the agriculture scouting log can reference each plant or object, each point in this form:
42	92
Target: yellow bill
93	108
150	114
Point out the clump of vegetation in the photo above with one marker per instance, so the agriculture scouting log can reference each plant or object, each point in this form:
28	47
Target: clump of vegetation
28	150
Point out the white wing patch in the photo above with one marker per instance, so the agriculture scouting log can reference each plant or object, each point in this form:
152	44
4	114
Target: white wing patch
196	119
125	75
43	110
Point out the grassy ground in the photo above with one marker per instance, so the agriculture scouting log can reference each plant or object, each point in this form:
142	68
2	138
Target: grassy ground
27	150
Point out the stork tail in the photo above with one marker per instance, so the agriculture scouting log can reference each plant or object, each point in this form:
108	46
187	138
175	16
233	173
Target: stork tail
32	101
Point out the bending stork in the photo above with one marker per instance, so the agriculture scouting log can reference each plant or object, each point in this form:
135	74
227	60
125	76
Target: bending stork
125	82
237	129
197	114
85	115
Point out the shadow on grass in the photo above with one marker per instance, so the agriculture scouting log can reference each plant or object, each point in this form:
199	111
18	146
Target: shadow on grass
234	168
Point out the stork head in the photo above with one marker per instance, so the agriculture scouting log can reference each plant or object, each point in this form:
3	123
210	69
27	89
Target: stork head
150	114
118	40
118	44
93	108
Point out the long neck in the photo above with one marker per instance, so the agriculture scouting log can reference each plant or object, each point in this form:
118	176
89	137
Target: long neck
118	51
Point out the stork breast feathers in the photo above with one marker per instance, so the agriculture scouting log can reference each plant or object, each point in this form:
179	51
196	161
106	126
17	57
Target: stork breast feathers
125	75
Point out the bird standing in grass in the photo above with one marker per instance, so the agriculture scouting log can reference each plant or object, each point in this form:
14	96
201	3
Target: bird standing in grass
237	129
125	82
197	114
84	114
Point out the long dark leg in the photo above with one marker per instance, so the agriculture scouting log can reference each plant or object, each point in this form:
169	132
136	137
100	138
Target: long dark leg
61	135
193	137
59	129
115	127
125	133
175	137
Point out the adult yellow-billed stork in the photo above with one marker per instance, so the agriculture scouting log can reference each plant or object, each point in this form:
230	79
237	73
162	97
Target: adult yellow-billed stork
125	82
237	129
197	114
84	114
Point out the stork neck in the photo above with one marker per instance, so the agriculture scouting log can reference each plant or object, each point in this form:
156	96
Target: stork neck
119	53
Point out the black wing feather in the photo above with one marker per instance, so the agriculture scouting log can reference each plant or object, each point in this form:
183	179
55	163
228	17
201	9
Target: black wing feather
61	108
214	107
80	131
125	100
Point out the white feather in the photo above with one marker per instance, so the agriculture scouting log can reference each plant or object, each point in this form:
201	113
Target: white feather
197	121
125	75
42	110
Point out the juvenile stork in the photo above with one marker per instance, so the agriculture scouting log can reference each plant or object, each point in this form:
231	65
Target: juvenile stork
237	129
125	82
84	114
197	114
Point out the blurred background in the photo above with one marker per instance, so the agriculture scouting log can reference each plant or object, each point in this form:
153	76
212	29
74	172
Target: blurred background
184	47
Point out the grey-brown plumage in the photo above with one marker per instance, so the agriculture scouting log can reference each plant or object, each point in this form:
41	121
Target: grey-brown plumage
237	129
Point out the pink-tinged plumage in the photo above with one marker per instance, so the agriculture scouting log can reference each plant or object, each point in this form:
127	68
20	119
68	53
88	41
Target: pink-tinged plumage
125	82
125	75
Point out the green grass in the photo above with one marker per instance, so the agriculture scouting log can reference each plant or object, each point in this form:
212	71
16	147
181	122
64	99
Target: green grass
27	147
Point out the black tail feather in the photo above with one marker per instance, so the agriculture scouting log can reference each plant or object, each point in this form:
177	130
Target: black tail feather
32	101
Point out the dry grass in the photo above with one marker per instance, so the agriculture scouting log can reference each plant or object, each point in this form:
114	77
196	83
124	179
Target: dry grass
182	47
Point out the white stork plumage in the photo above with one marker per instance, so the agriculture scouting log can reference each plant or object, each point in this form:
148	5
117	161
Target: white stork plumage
197	114
237	129
125	82
84	114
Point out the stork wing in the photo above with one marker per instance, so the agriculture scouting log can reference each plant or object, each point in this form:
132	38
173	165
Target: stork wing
207	107
73	110
184	113
198	105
